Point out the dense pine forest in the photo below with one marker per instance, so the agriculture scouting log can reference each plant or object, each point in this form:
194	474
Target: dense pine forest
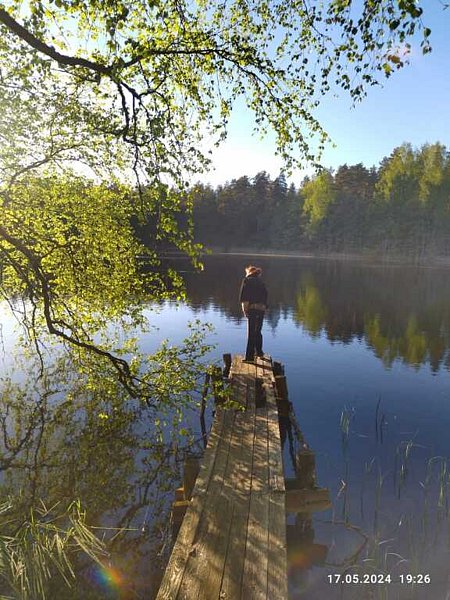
401	208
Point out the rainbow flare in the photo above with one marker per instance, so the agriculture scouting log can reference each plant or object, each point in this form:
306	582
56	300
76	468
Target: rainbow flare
109	578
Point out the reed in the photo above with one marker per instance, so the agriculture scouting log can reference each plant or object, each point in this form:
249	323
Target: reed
401	464
411	542
347	415
42	546
378	489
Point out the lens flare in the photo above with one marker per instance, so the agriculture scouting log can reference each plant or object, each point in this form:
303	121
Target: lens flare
108	578
305	556
299	560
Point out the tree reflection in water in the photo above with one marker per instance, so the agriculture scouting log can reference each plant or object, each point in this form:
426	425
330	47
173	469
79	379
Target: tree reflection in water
401	312
61	441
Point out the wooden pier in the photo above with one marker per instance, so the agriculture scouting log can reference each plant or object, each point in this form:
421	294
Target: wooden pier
232	541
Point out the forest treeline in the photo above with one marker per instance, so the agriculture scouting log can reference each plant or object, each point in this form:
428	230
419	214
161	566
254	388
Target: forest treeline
401	207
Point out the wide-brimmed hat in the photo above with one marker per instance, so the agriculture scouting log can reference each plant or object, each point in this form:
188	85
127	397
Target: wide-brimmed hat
251	270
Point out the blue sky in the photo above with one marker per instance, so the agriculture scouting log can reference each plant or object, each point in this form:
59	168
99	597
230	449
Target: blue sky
412	106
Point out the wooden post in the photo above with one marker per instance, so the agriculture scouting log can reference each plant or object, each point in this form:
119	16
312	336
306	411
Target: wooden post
191	469
183	494
179	494
203	407
205	393
281	387
305	468
283	404
179	508
277	368
226	365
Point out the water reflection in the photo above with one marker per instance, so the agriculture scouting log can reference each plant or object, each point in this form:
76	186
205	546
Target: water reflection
60	442
303	496
381	436
353	338
402	313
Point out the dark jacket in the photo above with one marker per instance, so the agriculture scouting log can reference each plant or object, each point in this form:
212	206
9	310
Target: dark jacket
253	290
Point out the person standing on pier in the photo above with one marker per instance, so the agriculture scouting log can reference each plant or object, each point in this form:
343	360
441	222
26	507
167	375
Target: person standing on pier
253	298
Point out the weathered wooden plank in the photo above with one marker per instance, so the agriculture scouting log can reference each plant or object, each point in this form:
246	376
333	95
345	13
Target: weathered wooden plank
240	482
239	475
238	472
223	449
241	375
204	570
175	569
277	585
232	543
207	466
251	376
307	500
242	475
177	563
239	389
277	549
260	470
207	554
238	485
254	577
239	367
276	473
234	562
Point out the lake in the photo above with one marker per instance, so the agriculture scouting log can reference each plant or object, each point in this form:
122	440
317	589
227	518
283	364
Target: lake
366	354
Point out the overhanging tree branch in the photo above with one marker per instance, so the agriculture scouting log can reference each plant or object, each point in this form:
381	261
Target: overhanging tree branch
121	365
109	70
73	61
39	45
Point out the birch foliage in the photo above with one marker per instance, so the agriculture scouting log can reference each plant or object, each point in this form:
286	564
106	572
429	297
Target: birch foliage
107	103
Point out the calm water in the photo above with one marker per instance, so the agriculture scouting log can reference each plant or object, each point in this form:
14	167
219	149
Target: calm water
366	354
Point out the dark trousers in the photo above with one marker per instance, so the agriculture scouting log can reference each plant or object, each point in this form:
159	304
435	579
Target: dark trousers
254	337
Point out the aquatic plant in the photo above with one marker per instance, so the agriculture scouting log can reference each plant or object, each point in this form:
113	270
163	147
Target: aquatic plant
42	546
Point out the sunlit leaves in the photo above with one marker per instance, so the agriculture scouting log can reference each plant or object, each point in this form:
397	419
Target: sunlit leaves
176	63
319	193
409	174
81	233
70	250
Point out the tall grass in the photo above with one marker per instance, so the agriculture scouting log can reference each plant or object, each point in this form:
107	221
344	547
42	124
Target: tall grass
42	546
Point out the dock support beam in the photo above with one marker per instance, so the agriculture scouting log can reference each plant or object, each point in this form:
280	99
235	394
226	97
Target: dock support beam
183	494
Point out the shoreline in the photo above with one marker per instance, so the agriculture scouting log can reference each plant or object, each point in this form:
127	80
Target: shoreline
432	261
